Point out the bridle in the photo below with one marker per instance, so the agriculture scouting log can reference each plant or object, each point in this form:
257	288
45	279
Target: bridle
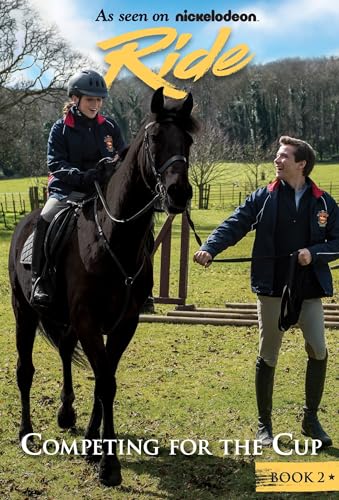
159	190
157	171
159	193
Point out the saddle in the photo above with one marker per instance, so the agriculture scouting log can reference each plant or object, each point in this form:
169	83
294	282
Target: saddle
58	233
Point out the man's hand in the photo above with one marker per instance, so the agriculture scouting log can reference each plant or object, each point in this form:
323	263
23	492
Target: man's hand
203	258
304	257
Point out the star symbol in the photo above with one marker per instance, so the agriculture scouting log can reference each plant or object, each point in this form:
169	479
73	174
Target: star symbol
331	477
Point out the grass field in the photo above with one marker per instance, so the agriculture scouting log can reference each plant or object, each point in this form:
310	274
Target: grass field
174	382
230	187
323	173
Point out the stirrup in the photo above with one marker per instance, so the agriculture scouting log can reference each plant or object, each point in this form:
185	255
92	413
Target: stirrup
39	297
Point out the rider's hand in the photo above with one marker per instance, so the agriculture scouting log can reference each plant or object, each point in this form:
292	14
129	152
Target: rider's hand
304	257
107	166
203	258
91	175
107	162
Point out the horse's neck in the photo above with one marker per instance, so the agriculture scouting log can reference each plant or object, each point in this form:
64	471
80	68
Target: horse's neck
126	195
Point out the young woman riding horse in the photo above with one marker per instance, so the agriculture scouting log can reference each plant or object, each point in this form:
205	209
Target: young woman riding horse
105	272
76	143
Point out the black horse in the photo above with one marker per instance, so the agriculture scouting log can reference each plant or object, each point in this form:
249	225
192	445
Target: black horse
104	271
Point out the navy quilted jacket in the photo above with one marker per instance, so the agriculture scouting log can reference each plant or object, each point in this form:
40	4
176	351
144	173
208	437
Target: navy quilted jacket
75	145
259	212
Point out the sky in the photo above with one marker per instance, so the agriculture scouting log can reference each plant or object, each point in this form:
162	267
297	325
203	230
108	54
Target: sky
283	29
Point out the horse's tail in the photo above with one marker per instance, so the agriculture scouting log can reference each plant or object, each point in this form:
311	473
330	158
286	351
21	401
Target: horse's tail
54	332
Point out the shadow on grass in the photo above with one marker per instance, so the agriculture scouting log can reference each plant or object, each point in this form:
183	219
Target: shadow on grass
197	477
185	477
191	477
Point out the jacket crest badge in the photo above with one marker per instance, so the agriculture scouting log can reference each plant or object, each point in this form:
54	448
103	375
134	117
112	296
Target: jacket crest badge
109	143
322	218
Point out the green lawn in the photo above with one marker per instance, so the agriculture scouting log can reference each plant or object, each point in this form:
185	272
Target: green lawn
21	185
174	382
227	191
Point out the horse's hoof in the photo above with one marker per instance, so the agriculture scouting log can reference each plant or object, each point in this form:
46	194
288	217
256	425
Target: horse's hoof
110	475
66	418
27	443
24	431
114	479
92	459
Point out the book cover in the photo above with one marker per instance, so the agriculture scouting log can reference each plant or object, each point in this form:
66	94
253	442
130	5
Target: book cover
185	409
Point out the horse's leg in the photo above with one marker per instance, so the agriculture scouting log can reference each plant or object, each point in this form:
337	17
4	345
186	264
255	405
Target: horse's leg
66	412
26	324
104	362
115	347
94	348
93	429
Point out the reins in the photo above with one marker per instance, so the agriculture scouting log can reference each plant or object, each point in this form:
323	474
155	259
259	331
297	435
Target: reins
232	259
159	193
254	257
129	280
129	219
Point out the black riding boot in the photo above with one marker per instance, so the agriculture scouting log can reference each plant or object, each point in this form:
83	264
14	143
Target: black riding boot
264	379
40	296
314	386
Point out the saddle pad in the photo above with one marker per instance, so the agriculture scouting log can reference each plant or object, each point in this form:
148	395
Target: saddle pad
26	252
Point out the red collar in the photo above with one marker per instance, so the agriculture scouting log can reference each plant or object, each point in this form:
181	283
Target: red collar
316	191
69	119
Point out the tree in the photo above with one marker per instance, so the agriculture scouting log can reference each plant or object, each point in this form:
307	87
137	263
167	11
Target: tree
208	153
256	171
128	101
35	63
34	60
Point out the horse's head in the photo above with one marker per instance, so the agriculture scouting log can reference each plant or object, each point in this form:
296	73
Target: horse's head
167	142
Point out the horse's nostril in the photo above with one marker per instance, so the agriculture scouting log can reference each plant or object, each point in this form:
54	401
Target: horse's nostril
177	193
178	197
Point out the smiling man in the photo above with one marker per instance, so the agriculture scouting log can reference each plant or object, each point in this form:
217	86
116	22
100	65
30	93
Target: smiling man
297	230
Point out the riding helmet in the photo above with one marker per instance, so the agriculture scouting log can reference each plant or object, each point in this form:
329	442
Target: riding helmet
87	82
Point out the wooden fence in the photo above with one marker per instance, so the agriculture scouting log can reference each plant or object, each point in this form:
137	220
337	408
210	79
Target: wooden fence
231	194
13	206
217	196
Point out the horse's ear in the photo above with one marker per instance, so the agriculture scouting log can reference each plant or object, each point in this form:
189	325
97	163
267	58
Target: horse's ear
188	105
157	104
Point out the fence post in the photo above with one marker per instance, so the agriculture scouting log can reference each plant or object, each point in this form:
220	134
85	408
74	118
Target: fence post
3	215
164	239
184	255
21	204
165	262
34	197
14	210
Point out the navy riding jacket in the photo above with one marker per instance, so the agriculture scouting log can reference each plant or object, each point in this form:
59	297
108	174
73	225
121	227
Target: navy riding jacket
75	145
259	212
